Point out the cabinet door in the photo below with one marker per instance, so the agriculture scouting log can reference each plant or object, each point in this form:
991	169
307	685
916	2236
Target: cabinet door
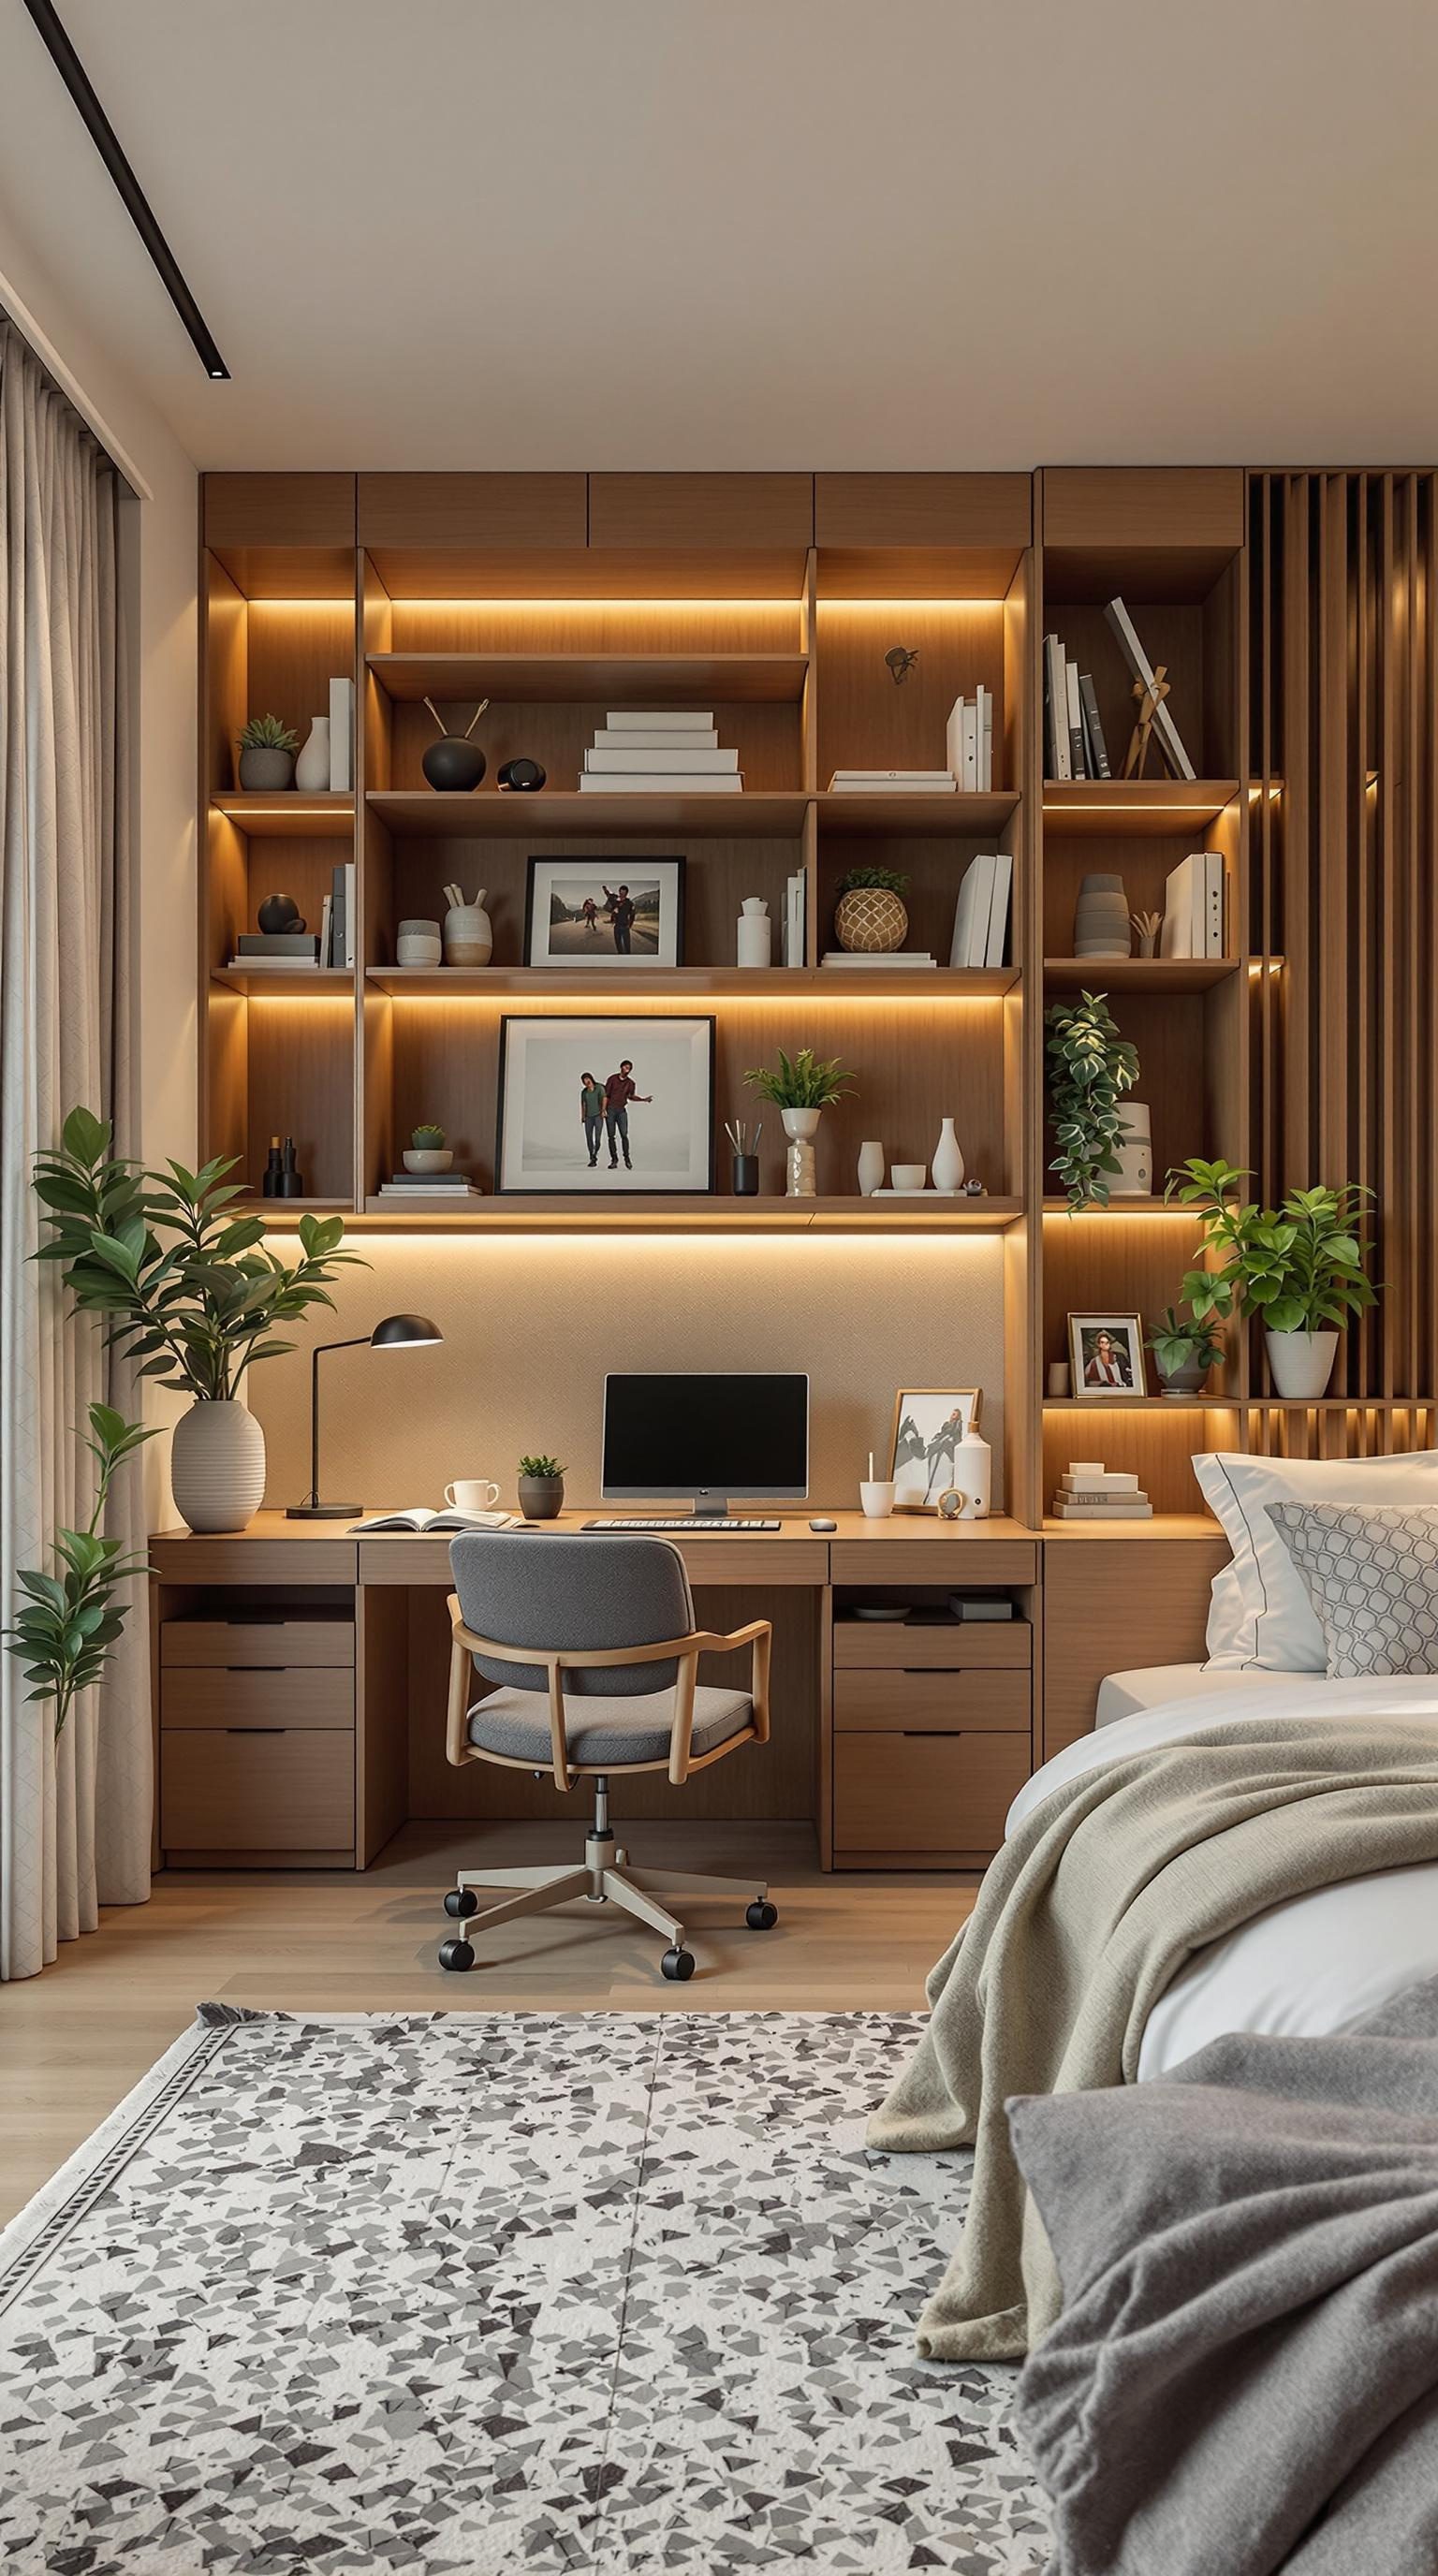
279	510
259	1697
471	510
971	510
251	1792
703	510
1144	505
1116	1605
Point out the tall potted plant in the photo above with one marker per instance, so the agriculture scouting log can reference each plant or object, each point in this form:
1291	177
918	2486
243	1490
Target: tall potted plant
187	1289
1089	1067
800	1087
1298	1266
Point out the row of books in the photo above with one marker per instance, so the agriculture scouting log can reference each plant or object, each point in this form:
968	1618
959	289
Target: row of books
893	782
1193	907
1074	743
1092	1493
969	742
981	914
660	751
451	1187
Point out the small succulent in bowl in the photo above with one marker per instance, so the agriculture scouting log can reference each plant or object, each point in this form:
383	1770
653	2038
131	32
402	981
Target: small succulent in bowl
1185	1352
541	1487
427	1140
267	755
428	1151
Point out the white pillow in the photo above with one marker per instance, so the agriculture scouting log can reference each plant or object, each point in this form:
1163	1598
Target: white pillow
1260	1613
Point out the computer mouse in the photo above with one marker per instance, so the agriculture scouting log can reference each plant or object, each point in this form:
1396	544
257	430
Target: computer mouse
823	1525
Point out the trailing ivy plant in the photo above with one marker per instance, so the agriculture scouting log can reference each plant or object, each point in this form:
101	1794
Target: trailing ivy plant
1090	1067
64	1630
1299	1266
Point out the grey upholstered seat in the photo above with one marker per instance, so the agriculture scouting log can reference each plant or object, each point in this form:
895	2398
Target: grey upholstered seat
604	1732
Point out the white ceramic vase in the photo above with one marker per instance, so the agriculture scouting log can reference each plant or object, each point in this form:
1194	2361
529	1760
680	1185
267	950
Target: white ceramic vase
946	1164
1134	1177
973	1475
755	933
801	1126
312	769
468	933
871	1168
1302	1363
217	1466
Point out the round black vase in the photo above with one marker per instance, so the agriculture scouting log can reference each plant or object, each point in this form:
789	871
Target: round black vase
451	764
523	776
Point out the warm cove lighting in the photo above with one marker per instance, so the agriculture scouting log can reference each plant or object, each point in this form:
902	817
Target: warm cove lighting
514	608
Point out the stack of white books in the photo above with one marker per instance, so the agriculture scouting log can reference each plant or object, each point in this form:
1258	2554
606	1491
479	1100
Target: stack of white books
1074	741
661	751
879	957
445	1186
981	915
1092	1493
795	918
892	782
971	741
1193	907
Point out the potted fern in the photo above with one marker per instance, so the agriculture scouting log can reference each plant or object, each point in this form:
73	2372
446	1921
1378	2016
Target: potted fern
1090	1068
1299	1267
186	1287
267	755
800	1087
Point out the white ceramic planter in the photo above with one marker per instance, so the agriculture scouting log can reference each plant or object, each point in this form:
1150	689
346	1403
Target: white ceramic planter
1302	1363
217	1466
428	1158
801	1126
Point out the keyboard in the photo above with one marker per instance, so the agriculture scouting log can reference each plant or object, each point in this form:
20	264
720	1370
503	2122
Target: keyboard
700	1521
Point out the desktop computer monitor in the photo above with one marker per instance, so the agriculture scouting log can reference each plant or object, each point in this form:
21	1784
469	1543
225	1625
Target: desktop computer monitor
706	1438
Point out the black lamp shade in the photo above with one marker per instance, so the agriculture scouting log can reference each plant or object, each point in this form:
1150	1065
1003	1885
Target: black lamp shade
394	1329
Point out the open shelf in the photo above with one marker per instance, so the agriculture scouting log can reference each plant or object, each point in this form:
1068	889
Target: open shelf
705	1215
288	816
1120	1209
932	817
624	991
1137	974
1109	808
559	813
284	982
661	679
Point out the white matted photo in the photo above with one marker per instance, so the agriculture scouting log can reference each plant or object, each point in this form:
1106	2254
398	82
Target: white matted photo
929	1421
604	912
1106	1355
605	1104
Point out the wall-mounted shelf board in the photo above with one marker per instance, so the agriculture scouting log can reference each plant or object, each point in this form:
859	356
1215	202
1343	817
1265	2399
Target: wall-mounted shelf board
623	991
932	817
289	817
284	983
419	813
656	679
289	1211
1121	1211
1100	1404
1138	974
1105	807
703	1216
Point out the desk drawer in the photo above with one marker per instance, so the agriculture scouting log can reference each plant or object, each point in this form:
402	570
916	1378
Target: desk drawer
925	1793
885	1561
249	1643
956	1645
253	1560
247	1792
257	1698
948	1702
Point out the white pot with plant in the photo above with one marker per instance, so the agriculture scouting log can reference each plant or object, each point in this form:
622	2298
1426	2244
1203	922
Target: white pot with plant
1089	1070
427	1151
1299	1267
190	1291
1183	1352
800	1087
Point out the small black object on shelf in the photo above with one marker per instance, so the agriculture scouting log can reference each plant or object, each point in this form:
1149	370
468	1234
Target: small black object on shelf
270	1177
279	913
522	776
290	1183
745	1169
454	764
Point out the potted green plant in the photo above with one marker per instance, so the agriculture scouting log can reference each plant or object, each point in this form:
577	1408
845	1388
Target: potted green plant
800	1087
870	915
1089	1068
427	1151
541	1488
1184	1352
1298	1266
74	1614
267	755
187	1289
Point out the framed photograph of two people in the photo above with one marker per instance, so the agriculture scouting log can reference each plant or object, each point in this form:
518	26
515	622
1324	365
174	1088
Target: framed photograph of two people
591	1106
612	915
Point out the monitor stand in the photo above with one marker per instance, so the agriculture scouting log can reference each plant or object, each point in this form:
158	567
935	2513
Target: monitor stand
710	1506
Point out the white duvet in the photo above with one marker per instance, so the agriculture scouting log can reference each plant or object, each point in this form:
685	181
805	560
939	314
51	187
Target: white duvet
1318	1962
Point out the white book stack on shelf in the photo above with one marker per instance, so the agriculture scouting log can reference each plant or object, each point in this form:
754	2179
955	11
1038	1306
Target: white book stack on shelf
921	957
1089	1492
892	782
981	914
970	742
1193	907
661	751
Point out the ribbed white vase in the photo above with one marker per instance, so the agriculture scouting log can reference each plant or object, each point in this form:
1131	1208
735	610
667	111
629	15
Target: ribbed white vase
217	1466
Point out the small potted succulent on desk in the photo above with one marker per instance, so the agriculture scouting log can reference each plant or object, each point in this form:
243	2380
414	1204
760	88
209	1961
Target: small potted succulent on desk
1184	1352
1299	1267
541	1488
267	756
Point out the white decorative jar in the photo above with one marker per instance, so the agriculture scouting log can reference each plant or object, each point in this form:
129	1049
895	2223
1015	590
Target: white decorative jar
973	1475
1302	1363
947	1163
312	769
1101	920
871	1168
217	1466
1134	1177
418	944
801	1126
755	933
468	933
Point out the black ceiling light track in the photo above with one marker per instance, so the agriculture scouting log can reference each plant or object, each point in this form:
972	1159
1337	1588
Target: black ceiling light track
102	134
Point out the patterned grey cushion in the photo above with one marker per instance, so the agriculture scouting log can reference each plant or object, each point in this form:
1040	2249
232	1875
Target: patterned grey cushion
1371	1571
604	1731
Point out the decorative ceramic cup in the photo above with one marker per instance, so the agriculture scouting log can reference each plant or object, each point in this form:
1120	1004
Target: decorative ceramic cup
877	1498
472	1494
909	1176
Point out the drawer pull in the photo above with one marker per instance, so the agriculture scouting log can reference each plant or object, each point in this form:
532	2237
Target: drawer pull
257	1730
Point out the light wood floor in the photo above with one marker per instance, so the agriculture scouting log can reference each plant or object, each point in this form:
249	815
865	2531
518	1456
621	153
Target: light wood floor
74	2040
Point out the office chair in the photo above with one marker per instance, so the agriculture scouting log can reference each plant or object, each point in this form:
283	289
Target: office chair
593	1649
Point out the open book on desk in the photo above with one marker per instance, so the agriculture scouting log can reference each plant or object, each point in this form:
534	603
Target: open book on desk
419	1523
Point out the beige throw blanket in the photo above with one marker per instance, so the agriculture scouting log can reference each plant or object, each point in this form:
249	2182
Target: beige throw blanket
1085	1917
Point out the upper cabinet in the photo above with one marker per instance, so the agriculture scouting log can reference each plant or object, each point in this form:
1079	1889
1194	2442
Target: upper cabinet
471	510
701	510
1116	506
282	536
949	510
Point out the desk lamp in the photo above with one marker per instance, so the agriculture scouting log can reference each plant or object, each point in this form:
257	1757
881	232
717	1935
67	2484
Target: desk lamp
408	1332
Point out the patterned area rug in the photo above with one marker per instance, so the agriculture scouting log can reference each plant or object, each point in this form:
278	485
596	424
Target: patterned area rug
591	2295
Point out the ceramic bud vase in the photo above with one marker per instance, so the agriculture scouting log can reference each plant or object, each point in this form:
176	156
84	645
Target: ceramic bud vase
756	933
946	1164
973	1475
801	1126
1101	921
871	1168
217	1466
468	931
1302	1363
312	769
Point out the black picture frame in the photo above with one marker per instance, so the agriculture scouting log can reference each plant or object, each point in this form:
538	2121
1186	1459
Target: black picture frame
605	871
612	1036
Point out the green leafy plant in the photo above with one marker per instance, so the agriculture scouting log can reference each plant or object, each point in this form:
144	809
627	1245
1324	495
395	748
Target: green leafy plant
541	1466
65	1630
1299	1265
803	1081
1178	1345
1090	1067
268	733
427	1140
890	880
182	1279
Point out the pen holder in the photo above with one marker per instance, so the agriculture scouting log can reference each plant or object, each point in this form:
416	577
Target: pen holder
745	1169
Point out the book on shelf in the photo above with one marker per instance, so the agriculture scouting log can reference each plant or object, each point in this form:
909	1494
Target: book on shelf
887	782
288	944
278	965
659	720
878	957
981	912
795	943
416	1521
1106	1501
1194	906
342	736
980	1605
326	922
1095	744
689	782
342	897
1166	733
1131	1510
686	737
1058	755
1078	753
1087	1475
969	740
446	1184
626	761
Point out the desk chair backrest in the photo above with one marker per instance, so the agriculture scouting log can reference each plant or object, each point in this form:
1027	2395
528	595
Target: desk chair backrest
549	1593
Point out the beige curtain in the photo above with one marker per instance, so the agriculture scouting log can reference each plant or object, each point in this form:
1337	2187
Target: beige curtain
74	1831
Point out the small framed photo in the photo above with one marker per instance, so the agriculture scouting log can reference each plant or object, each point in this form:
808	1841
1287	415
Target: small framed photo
605	1105
624	914
1106	1355
928	1421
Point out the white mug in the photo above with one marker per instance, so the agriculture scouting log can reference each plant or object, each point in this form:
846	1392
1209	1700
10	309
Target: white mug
877	1498
472	1494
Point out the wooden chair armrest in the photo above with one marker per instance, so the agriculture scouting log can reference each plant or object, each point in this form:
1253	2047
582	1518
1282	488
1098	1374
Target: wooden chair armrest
685	1651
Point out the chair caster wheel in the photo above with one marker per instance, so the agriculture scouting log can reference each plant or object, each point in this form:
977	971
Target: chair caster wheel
677	1965
762	1916
461	1902
456	1954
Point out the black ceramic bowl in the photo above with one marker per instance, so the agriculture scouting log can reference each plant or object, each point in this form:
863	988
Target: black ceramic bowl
450	763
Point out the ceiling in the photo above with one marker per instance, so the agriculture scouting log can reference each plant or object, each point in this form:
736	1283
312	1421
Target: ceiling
753	233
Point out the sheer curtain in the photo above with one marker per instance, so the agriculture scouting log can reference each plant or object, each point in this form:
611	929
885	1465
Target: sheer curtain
74	1831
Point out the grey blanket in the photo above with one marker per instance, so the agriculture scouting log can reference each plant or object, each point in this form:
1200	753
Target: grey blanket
1245	2373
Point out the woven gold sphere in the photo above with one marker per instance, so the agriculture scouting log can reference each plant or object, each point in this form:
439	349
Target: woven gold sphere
870	918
